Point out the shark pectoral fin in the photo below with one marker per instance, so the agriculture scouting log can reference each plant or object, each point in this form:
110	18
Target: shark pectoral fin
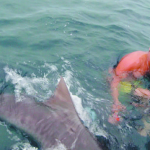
61	96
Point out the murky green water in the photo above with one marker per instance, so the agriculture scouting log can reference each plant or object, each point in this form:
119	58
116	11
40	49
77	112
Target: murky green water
79	40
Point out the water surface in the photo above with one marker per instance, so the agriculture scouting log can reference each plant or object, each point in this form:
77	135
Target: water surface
79	40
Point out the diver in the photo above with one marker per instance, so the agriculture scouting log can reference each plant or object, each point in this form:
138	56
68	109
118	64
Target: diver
132	66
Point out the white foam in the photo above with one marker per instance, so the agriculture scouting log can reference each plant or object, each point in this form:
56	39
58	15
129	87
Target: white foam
27	146
52	68
23	146
58	146
26	83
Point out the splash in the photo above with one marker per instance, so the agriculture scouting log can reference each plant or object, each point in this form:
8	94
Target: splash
26	83
27	146
59	146
23	146
82	112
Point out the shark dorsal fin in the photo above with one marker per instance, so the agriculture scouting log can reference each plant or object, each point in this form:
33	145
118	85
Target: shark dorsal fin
62	91
61	96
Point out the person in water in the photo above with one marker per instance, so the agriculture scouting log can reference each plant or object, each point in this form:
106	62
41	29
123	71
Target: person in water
131	67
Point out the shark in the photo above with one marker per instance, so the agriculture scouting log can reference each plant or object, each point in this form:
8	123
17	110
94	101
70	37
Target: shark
50	121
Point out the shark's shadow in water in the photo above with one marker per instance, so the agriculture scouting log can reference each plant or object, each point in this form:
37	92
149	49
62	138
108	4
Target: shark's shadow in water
49	122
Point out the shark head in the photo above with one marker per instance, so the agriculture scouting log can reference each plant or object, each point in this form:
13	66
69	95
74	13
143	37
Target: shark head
49	122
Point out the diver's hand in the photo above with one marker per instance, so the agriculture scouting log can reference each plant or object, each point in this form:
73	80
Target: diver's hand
114	118
116	108
145	93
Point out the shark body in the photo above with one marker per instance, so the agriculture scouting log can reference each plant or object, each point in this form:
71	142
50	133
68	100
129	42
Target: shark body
49	122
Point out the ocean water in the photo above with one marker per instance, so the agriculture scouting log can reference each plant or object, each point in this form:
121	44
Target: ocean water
79	40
